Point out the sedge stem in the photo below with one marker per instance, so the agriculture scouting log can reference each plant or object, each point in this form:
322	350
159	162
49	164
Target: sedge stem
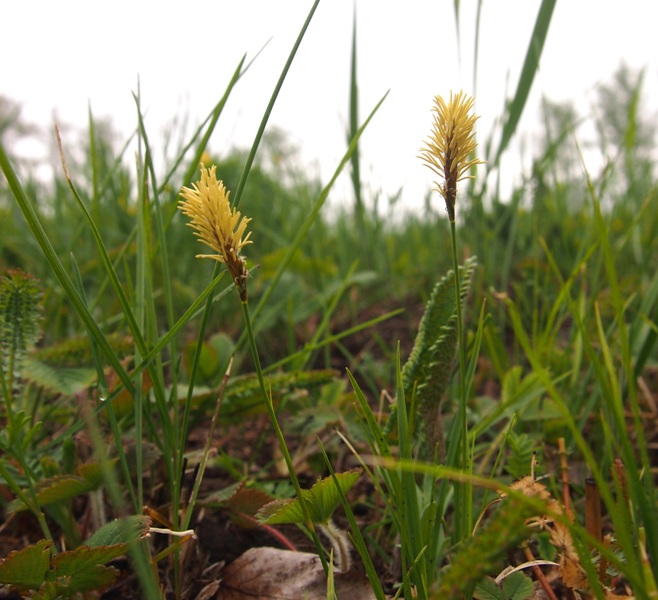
465	506
279	434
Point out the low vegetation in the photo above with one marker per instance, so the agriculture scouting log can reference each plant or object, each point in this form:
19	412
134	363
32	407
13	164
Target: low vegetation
454	404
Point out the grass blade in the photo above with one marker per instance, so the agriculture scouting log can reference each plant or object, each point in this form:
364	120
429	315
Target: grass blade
528	72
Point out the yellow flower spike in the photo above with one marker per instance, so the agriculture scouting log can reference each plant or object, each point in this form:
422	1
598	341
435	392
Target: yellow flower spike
450	144
217	225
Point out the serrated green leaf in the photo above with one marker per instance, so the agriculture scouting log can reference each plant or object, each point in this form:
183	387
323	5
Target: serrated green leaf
64	487
322	500
26	568
84	558
488	590
77	570
92	473
121	531
61	380
94	577
323	497
239	501
518	586
51	590
57	488
278	512
219	498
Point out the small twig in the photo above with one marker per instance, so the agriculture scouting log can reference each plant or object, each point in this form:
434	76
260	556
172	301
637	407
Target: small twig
564	470
271	530
539	574
167	531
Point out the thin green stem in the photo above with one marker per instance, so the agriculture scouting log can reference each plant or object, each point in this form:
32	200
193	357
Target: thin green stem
279	434
463	503
7	385
189	509
31	503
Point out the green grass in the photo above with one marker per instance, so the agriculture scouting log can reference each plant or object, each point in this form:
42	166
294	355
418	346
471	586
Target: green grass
559	332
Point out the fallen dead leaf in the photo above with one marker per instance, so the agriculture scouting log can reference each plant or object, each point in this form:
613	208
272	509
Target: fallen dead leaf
273	574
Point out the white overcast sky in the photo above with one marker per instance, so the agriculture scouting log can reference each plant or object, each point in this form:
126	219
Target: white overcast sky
58	56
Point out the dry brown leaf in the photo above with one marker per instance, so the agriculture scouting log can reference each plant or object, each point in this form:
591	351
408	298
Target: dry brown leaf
530	487
273	574
209	591
572	573
562	540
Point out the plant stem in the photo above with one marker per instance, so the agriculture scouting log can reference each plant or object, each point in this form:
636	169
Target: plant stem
463	500
189	509
31	503
15	443
279	434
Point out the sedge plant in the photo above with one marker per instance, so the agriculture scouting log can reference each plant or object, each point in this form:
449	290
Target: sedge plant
416	506
224	229
448	152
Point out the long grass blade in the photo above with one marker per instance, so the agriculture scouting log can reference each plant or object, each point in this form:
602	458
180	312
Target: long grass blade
270	106
528	72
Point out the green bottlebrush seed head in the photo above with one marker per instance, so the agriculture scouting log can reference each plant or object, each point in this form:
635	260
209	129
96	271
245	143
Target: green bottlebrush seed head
20	314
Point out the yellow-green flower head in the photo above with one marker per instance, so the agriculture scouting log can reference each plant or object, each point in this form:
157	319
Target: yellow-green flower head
216	224
450	144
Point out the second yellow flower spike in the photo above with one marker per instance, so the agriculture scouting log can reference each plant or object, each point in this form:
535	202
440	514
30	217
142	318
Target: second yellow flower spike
450	144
